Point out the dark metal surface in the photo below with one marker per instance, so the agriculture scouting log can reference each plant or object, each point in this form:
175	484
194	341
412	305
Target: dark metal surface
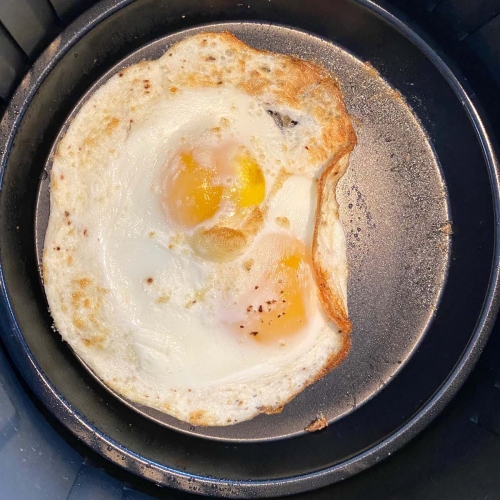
413	397
462	17
394	210
30	22
66	9
11	63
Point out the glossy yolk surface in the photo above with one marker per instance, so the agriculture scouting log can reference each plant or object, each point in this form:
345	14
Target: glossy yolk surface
196	189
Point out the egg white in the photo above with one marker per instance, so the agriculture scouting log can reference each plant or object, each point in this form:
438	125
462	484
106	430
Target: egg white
124	285
174	340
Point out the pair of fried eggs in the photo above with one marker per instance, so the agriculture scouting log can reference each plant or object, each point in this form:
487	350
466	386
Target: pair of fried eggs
178	259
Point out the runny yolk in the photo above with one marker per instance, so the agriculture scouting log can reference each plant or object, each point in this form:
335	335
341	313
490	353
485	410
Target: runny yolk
278	307
194	192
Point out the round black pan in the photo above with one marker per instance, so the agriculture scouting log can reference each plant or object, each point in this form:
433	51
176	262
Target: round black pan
419	205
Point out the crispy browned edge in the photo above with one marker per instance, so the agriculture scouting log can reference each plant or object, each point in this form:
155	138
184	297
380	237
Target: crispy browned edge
201	419
318	424
332	304
333	361
332	173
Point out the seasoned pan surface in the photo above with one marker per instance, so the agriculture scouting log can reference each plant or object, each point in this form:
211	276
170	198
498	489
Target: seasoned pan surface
419	205
393	205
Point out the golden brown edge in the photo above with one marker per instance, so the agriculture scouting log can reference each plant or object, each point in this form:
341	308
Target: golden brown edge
318	424
332	304
332	362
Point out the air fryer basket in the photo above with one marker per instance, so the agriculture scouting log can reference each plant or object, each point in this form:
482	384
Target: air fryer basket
422	299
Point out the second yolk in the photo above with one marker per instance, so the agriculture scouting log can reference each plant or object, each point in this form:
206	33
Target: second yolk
278	307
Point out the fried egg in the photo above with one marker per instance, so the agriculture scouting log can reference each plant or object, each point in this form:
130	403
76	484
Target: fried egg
194	256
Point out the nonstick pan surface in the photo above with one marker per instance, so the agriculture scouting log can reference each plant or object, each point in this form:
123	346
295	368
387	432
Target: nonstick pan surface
419	206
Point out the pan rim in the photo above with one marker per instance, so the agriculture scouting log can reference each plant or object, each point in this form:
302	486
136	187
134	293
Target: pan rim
77	424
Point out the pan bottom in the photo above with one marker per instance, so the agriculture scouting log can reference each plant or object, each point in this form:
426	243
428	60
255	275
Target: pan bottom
394	208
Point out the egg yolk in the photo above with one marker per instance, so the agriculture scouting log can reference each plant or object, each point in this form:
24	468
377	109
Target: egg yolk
196	190
250	186
278	305
193	195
